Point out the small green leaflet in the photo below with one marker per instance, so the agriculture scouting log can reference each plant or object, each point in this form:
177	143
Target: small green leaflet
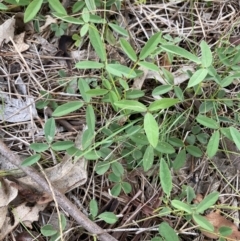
203	222
151	129
165	177
48	230
68	19
120	70
167	232
127	48
83	87
62	145
131	105
39	147
91	5
67	108
3	7
148	158
90	118
93	207
206	55
96	92
182	52
32	10
148	65
208	122
235	136
150	46
49	130
108	217
207	202
97	43
89	65
213	144
182	206
119	29
163	103
31	160
57	6
197	77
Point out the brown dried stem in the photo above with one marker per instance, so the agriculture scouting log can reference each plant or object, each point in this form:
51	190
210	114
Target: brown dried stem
62	200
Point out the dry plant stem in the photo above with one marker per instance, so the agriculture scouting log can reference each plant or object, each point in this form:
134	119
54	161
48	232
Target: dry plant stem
64	202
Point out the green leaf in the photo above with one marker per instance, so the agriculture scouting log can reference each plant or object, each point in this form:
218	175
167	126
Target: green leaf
181	52
91	5
182	206
67	108
178	92
57	6
197	77
127	188
89	65
3	7
92	155
131	105
85	15
127	48
150	46
134	94
151	129
164	147
48	230
206	55
83	88
213	143
162	89
97	92
180	160
119	29
207	202
148	158
39	147
206	121
102	167
116	190
235	136
148	65
167	232
31	160
96	42
194	151
190	194
165	177
93	207
90	118
63	221
117	169
108	217
225	231
87	138
68	19
49	130
62	145
163	103
120	70
32	10
203	222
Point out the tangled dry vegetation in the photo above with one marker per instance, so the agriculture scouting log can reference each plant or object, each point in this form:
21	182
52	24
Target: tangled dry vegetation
34	63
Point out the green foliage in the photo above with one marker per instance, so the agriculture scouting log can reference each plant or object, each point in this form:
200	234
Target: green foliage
151	133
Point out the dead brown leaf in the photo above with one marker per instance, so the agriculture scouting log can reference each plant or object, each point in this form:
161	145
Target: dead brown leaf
219	221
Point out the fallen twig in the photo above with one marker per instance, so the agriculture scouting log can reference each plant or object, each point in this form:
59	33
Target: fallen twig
62	200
